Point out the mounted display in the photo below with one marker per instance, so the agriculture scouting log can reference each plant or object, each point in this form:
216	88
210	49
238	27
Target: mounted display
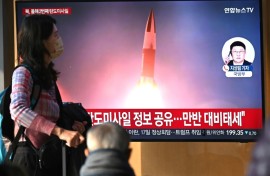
164	70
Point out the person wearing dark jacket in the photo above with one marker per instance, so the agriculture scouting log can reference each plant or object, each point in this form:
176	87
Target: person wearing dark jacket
260	157
107	151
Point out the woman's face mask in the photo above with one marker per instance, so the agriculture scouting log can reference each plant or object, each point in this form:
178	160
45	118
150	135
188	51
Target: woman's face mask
54	45
58	48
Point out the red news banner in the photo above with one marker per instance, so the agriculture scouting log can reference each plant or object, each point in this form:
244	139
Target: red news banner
180	118
48	11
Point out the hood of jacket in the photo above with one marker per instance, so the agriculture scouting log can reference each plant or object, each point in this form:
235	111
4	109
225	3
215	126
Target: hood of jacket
106	162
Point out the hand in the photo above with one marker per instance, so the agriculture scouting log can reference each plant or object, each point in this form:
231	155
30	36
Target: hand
227	60
72	138
79	126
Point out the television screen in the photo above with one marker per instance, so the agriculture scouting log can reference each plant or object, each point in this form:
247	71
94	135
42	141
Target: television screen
164	70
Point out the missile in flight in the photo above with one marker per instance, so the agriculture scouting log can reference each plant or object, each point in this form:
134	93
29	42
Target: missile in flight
146	94
149	51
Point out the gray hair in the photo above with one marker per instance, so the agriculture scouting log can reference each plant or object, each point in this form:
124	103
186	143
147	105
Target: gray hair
108	135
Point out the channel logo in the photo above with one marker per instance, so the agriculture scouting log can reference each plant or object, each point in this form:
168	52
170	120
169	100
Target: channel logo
231	10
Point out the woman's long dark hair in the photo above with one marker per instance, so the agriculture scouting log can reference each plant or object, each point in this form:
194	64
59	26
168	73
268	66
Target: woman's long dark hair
31	50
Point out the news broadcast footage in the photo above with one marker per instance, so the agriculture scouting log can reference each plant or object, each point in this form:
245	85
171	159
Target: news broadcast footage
164	70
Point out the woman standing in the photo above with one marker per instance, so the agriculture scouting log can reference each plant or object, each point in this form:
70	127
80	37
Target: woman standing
39	43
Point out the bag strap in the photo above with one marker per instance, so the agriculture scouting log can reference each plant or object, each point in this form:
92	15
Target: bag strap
63	143
58	97
33	102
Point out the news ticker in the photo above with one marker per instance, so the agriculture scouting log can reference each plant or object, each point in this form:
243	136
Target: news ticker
193	134
180	118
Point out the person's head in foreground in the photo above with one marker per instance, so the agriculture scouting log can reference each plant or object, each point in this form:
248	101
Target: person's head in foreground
107	151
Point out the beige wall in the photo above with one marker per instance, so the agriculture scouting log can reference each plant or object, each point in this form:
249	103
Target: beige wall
180	158
266	38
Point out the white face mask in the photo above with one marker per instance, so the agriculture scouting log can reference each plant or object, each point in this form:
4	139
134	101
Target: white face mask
58	48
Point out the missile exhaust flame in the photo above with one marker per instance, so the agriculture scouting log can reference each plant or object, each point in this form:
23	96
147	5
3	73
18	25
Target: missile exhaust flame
146	94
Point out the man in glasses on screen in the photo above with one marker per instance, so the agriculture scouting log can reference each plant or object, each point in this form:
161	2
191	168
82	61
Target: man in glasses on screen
238	53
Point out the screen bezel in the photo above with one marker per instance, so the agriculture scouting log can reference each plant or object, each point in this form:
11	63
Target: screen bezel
198	140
